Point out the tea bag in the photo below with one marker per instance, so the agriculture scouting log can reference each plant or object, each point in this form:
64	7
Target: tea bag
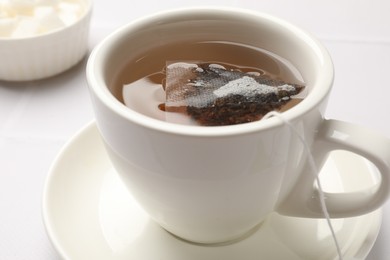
213	95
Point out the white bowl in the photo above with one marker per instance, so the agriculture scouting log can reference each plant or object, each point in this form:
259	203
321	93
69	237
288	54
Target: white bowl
45	55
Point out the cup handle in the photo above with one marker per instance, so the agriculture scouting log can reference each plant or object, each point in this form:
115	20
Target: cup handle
304	199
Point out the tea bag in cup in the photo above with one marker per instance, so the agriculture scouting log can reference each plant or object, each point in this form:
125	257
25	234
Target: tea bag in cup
213	95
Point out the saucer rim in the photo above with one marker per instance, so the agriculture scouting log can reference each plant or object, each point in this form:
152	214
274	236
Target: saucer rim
49	179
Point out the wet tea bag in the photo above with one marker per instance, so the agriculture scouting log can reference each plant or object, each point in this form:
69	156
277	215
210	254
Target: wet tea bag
213	95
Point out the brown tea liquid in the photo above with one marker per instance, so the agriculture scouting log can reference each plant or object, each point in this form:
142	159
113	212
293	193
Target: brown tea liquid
139	85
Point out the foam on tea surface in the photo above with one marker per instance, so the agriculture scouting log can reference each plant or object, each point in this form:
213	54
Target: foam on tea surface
213	94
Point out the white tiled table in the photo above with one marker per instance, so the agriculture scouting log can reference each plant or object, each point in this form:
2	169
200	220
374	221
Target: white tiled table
37	118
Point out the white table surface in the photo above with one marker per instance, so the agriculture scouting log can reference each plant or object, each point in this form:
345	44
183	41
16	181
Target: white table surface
38	118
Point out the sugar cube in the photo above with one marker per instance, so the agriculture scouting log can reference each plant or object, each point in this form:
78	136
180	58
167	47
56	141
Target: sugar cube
26	27
47	2
49	21
7	25
69	12
22	7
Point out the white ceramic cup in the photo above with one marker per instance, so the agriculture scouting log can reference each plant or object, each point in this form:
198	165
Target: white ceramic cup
215	184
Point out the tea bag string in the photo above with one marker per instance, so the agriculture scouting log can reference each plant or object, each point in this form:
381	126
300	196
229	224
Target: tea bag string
314	170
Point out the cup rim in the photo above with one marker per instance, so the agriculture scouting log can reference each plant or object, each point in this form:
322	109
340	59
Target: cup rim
100	90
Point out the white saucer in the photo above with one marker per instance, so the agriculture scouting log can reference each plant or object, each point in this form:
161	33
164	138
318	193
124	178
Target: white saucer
89	214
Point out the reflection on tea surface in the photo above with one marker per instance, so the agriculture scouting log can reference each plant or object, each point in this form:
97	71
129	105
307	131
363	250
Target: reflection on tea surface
231	83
